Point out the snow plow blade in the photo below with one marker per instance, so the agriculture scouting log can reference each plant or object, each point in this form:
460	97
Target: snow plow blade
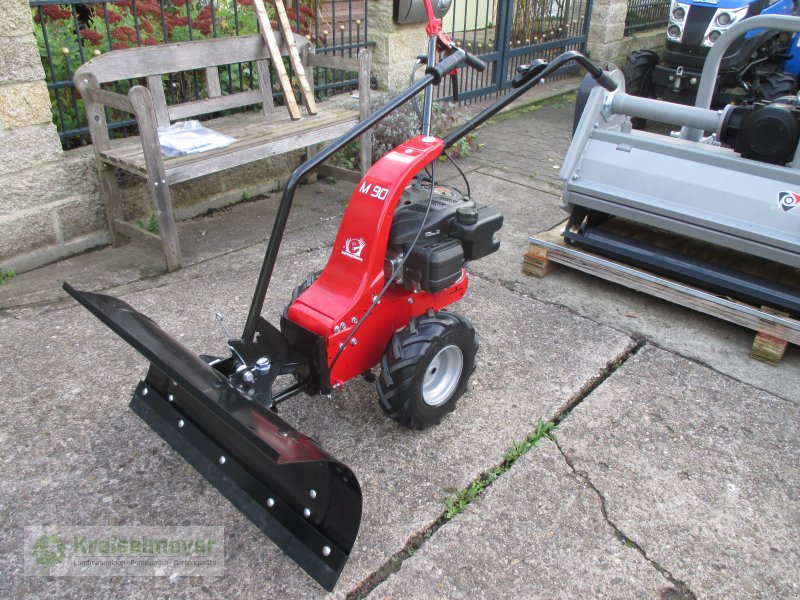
306	501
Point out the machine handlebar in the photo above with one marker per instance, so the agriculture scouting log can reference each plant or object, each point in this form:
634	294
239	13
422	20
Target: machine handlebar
452	61
475	62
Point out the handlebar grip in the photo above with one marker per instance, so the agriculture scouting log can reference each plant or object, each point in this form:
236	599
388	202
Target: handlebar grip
454	60
604	80
475	62
444	66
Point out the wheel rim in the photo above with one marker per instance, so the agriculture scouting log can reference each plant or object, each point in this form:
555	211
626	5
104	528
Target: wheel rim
442	376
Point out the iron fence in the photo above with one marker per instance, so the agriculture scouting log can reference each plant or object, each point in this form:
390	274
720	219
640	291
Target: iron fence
646	14
509	33
70	32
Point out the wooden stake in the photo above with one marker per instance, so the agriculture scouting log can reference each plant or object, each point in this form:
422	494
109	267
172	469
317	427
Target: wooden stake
277	59
294	57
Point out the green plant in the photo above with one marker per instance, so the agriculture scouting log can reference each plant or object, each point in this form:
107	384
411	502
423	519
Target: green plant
458	502
6	275
67	38
402	125
151	226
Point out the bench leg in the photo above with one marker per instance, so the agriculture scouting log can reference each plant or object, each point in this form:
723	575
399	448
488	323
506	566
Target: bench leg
108	188
167	228
310	152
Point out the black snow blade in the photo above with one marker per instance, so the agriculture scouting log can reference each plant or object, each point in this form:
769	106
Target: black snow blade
305	500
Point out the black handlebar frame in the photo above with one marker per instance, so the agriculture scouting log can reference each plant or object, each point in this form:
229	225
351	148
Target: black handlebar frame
433	76
527	83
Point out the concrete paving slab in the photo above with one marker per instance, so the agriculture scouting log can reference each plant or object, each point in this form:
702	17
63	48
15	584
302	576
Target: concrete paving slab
76	455
697	469
538	532
317	207
722	346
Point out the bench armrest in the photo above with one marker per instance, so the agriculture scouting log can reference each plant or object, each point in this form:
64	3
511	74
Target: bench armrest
93	93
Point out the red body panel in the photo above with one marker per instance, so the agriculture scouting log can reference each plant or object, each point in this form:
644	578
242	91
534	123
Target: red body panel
355	270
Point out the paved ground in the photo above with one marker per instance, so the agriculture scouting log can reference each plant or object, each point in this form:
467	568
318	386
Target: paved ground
673	472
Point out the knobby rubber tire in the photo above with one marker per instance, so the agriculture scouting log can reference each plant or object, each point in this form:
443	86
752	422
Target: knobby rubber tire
312	277
638	73
405	363
774	86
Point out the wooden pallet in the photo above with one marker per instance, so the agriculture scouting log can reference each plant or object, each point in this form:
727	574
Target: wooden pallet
775	329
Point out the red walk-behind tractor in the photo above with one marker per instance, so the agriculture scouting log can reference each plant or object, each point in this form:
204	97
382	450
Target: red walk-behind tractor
398	261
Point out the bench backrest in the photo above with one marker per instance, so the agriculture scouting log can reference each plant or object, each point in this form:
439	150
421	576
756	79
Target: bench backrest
153	62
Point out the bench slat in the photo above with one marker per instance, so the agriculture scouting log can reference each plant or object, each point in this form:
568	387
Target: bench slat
210	105
156	87
212	81
258	151
251	134
133	63
242	127
333	62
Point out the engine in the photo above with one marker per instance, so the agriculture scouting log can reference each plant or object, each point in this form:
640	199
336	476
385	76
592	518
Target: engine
454	231
763	131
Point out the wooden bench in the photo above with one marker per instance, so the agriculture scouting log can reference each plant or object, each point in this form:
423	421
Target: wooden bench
258	135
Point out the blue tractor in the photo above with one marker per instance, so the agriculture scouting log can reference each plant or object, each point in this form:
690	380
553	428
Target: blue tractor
761	67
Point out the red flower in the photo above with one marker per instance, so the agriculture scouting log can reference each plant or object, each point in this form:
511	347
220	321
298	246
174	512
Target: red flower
119	46
56	13
112	15
176	22
146	26
126	3
124	33
148	41
91	36
145	8
245	2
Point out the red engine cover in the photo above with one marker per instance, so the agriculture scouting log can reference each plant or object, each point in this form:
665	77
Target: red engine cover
355	270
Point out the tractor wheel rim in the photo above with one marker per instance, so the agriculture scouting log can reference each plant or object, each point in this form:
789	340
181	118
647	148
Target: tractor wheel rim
442	376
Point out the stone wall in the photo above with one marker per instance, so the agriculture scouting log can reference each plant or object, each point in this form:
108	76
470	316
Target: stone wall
396	47
607	42
48	202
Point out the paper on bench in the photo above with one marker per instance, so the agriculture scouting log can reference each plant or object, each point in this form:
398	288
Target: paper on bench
190	137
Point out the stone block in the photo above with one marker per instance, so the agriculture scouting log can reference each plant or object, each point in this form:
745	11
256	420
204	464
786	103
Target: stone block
81	216
27	232
26	147
396	46
15	18
232	184
41	185
19	60
647	40
24	104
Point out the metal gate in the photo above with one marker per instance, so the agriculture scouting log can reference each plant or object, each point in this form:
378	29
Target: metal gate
510	33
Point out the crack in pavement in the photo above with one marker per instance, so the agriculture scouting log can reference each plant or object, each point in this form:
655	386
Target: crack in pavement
419	539
682	590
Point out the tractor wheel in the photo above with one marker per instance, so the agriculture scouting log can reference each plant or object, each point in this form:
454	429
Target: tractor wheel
312	277
773	86
638	73
426	368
